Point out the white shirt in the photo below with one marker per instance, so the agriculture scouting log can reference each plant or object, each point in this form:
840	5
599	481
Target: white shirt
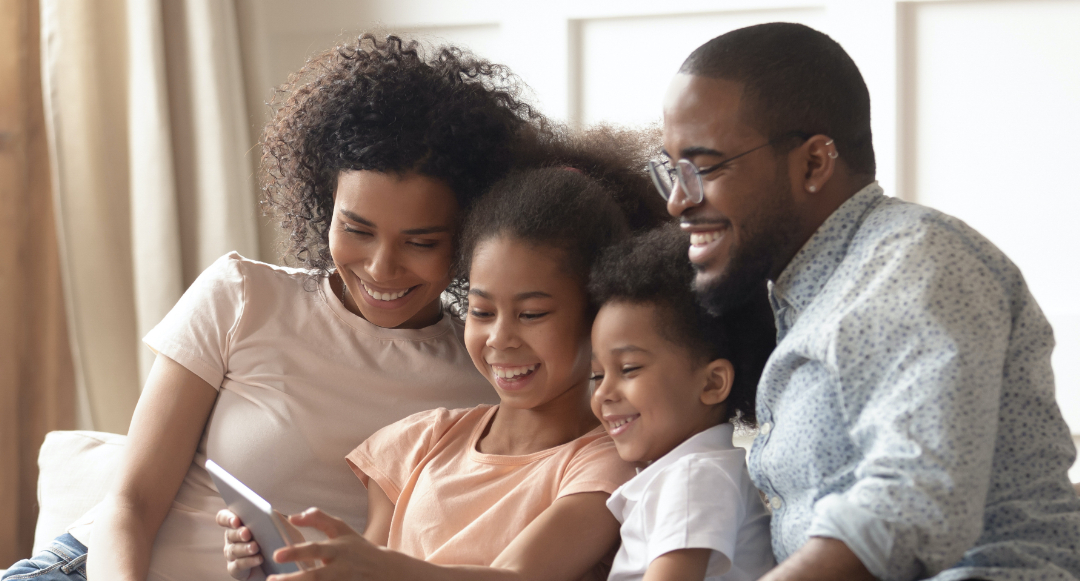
697	496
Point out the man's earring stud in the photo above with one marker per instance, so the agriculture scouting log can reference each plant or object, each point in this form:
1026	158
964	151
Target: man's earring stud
812	189
833	155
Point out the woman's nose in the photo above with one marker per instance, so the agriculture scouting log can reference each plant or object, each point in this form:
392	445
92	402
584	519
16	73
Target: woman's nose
383	265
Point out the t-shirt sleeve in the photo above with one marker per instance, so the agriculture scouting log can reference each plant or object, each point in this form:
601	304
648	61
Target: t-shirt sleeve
199	330
596	467
694	504
390	455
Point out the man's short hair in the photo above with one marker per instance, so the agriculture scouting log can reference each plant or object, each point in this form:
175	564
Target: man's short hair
795	79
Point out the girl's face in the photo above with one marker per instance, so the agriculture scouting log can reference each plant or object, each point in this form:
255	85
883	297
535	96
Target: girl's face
391	241
526	329
650	394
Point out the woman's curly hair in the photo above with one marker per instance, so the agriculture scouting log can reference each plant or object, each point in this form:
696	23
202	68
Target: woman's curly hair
653	269
386	106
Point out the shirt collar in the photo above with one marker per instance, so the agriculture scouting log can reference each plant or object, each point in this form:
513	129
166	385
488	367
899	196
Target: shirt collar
815	262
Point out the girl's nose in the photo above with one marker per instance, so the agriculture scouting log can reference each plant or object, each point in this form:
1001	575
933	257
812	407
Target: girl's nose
502	335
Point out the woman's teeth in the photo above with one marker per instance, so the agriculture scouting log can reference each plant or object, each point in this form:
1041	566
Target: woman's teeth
384	296
703	238
512	372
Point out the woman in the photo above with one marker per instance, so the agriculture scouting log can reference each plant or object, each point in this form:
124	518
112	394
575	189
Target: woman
276	373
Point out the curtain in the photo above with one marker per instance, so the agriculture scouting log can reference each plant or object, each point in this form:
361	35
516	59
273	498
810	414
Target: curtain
149	142
36	375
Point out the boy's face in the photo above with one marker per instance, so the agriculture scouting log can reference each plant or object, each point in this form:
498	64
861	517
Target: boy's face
649	393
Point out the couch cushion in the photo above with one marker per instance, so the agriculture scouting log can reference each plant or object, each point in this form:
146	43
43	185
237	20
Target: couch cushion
76	468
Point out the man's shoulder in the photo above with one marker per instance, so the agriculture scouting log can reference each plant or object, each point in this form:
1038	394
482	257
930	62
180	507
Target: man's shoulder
924	239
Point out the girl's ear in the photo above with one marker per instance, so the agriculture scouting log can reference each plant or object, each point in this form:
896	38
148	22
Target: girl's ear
719	375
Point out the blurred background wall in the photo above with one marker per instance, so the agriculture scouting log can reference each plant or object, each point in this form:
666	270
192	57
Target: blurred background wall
152	110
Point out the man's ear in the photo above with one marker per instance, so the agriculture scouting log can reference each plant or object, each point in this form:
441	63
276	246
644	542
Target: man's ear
719	375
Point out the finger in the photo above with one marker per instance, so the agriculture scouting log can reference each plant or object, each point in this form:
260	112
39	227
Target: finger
243	568
240	550
240	535
226	518
306	552
330	526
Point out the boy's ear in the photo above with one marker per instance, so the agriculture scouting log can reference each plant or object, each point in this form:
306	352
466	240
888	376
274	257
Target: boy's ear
719	375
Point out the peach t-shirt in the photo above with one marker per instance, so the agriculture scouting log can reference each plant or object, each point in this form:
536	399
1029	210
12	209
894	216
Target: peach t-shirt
300	381
454	505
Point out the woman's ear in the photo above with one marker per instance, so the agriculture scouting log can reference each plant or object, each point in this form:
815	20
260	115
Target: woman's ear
719	375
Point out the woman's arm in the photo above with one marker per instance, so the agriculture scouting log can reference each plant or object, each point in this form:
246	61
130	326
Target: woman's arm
165	431
564	542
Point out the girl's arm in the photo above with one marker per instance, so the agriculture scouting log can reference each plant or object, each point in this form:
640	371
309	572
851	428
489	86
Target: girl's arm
164	433
563	543
681	565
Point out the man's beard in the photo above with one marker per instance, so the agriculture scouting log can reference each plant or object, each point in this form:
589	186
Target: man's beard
769	236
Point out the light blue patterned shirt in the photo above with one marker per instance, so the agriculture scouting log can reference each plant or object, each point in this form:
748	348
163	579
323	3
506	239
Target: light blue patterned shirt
909	408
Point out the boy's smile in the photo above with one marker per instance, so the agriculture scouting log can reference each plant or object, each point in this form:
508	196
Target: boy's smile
650	394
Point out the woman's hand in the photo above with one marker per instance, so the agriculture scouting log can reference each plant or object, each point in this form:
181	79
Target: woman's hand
241	551
345	555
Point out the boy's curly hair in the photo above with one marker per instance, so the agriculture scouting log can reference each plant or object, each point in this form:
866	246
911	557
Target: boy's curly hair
653	269
386	106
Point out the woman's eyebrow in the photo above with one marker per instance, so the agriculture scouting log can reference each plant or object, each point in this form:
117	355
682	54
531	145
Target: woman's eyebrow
410	232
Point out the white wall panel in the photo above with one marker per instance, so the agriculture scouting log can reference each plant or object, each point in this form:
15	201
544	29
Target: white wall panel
996	120
627	63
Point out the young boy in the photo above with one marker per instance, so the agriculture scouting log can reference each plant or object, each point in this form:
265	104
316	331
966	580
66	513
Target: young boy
669	381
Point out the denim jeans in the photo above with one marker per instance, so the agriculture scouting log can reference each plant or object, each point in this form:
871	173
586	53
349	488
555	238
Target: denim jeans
63	560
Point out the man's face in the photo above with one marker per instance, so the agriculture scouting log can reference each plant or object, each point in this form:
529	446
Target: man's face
747	219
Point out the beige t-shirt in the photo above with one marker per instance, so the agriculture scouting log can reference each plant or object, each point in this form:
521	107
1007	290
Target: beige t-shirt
300	381
454	505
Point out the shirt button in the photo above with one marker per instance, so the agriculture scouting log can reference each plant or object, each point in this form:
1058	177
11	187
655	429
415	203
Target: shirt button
775	502
765	429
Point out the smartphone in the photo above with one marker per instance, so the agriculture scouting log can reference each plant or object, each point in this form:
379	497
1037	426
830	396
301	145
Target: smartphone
267	525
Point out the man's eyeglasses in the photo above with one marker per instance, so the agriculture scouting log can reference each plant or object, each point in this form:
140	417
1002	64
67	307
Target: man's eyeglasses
688	176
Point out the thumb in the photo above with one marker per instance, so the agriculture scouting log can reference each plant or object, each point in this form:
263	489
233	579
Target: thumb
316	518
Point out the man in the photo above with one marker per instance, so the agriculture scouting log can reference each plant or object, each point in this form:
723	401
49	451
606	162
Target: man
908	425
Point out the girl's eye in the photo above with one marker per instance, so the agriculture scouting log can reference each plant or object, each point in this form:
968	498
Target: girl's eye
532	316
478	314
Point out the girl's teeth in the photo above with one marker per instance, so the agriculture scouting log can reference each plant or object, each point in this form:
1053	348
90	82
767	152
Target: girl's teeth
511	372
384	296
702	238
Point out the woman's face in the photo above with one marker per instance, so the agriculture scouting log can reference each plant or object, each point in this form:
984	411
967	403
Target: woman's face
526	329
391	240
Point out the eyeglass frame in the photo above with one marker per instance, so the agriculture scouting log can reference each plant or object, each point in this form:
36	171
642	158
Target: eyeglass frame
675	177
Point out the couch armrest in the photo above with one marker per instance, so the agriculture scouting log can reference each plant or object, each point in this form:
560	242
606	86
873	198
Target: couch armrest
75	471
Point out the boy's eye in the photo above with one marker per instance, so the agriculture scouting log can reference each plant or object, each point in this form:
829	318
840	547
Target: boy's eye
628	369
596	377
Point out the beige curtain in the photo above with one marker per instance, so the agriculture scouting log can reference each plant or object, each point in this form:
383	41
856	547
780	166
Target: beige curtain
150	145
36	378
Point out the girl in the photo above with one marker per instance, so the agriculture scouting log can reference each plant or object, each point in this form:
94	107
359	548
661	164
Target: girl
275	373
517	490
